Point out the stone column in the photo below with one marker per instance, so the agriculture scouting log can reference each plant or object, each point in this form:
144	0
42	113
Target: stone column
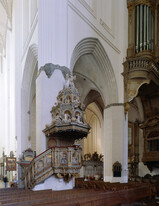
52	34
18	54
115	142
52	50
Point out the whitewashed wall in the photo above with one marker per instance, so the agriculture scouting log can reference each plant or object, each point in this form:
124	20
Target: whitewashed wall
26	39
85	19
72	21
7	93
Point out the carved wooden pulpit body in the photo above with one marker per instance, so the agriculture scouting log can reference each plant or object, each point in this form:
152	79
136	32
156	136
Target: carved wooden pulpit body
68	122
67	125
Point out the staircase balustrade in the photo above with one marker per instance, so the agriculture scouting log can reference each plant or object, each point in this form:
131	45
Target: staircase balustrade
61	161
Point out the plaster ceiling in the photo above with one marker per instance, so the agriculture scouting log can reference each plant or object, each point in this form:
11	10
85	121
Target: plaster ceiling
94	97
89	77
90	61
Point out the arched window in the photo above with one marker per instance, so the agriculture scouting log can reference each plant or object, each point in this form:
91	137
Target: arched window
117	169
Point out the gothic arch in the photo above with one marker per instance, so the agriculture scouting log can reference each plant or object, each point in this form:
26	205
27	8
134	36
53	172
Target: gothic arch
30	64
94	141
28	91
92	48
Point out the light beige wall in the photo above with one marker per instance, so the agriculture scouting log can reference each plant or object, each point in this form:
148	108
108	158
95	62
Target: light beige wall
94	141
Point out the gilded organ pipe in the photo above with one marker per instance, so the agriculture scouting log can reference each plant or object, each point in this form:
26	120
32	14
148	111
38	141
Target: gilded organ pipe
150	27
144	28
152	33
141	28
137	28
147	28
145	24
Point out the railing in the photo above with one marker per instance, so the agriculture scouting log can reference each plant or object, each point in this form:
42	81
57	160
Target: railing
56	160
138	63
144	64
151	156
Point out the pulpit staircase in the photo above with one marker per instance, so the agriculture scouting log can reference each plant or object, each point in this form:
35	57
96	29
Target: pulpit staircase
68	124
64	162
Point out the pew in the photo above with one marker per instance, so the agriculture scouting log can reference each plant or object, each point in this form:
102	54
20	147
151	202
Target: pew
93	193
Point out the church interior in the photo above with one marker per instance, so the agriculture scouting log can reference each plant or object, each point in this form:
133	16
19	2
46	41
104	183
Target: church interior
79	109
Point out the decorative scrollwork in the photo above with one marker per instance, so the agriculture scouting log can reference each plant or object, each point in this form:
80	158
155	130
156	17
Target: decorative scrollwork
94	157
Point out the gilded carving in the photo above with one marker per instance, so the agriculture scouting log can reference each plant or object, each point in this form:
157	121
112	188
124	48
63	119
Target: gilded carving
45	166
138	71
126	107
133	86
151	142
68	113
150	3
130	8
67	125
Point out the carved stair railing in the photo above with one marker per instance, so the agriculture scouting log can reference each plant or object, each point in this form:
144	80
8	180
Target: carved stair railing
61	161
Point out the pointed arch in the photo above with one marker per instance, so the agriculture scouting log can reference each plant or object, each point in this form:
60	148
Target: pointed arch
30	64
92	46
28	91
